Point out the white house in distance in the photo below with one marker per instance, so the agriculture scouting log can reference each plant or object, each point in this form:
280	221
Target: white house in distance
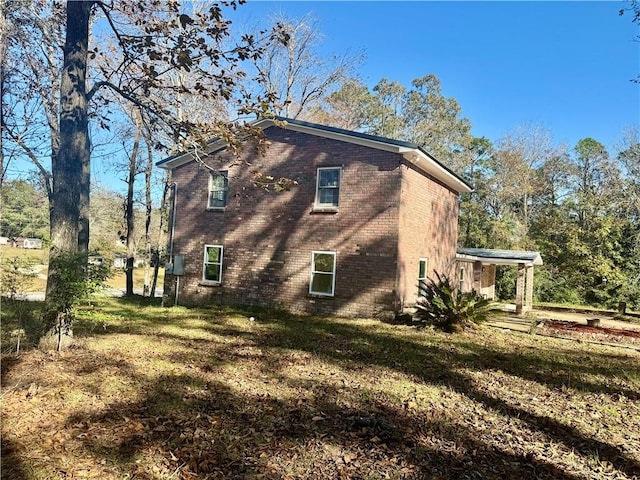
33	243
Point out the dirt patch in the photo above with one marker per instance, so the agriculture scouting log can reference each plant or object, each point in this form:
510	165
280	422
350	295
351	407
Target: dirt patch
586	332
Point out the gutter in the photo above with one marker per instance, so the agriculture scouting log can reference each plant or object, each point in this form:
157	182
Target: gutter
429	165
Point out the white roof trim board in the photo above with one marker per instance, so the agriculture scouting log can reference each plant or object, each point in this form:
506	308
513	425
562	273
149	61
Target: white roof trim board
499	257
410	152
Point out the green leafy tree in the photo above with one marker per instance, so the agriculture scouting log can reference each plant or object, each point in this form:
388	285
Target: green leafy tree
594	174
348	107
473	218
580	227
24	210
386	110
433	121
629	157
422	115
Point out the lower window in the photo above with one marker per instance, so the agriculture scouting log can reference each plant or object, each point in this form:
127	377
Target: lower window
212	268
323	273
422	274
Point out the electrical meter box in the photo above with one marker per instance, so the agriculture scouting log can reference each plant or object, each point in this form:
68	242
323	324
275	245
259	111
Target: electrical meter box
176	267
178	264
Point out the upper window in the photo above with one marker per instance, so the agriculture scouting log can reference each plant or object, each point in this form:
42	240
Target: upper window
323	273
328	188
212	268
422	272
218	187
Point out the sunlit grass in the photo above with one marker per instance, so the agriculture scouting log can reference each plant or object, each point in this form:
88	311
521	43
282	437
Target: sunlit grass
118	279
153	392
38	283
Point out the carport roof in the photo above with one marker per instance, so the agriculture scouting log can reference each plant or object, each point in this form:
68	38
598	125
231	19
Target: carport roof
499	257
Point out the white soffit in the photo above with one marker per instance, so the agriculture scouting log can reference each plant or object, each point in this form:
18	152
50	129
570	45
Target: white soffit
498	260
427	164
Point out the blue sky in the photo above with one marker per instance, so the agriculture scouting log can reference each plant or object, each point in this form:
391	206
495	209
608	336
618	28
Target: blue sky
566	65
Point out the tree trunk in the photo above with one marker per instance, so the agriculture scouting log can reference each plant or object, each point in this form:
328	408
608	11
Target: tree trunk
149	209
158	257
3	59
70	177
2	169
129	214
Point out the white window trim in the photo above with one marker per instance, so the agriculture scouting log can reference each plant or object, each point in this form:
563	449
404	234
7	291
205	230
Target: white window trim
224	173
426	271
333	273
205	263
317	203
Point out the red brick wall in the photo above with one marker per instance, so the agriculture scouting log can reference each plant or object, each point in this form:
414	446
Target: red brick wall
390	215
268	237
428	226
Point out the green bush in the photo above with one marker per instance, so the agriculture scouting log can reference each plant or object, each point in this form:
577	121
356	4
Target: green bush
74	280
15	277
18	322
506	282
446	308
551	286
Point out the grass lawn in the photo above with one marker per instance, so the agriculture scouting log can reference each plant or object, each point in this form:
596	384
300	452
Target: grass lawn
29	255
118	280
38	283
26	258
176	393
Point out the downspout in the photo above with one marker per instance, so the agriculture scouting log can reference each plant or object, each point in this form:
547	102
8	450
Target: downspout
174	185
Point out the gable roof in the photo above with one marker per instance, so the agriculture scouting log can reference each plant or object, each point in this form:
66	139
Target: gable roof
411	152
499	257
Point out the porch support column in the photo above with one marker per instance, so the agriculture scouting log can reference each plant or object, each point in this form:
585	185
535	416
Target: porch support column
520	289
529	289
477	276
491	279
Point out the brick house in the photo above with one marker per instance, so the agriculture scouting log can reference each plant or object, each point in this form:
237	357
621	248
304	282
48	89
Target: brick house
368	217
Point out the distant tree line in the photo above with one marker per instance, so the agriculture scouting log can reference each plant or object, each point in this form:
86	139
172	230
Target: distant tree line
24	213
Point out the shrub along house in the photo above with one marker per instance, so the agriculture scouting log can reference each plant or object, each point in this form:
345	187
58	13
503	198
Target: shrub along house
367	218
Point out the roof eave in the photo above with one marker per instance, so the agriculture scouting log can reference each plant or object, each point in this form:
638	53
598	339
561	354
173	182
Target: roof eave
332	134
185	157
418	157
499	261
428	164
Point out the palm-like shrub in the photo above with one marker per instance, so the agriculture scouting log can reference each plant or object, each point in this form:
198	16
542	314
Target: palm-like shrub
444	307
